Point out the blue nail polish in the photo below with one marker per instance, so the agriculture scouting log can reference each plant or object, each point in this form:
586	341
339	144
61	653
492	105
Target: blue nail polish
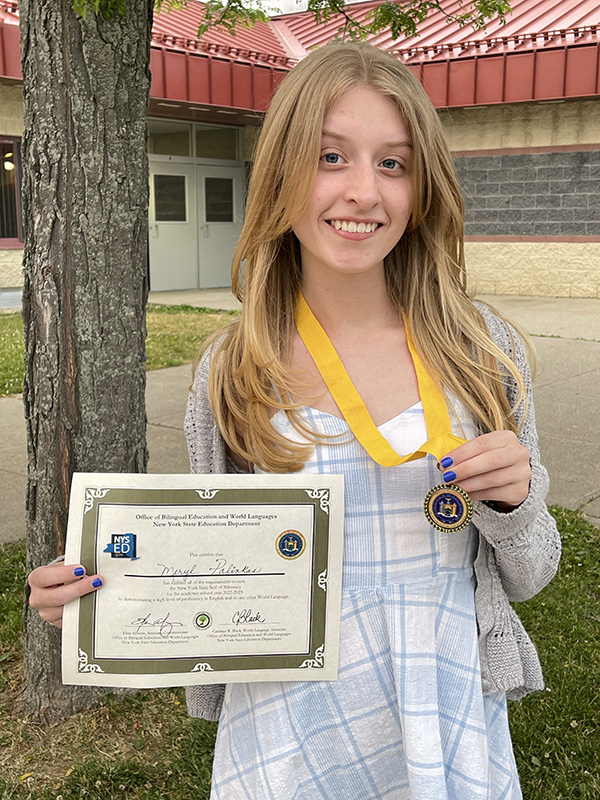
96	583
449	476
79	571
446	462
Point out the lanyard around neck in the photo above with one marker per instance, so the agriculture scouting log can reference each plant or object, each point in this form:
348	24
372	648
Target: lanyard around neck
441	439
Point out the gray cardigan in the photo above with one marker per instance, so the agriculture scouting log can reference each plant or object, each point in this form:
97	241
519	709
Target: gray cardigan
518	551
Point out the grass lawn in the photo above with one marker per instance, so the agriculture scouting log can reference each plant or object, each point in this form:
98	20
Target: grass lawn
174	335
146	746
12	369
176	332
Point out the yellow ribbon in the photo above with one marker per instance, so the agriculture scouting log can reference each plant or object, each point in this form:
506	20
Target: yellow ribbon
441	439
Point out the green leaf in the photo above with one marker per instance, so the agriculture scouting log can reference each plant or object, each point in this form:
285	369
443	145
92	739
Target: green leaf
101	8
402	19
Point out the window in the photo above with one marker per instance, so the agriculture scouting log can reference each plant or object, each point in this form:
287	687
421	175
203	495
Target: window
214	142
11	230
169	198
218	198
169	138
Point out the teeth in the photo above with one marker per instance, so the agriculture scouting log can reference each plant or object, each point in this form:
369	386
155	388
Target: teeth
353	227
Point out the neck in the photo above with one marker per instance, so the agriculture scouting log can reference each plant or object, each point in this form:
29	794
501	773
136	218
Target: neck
354	302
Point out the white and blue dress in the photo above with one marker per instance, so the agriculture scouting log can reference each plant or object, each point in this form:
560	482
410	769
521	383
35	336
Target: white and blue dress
406	719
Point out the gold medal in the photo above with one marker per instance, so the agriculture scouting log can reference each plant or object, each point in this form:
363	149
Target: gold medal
448	508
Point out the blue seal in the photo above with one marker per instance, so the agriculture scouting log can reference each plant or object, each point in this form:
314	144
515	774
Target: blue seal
290	544
448	508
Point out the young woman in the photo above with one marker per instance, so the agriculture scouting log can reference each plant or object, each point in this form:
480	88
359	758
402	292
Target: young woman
353	241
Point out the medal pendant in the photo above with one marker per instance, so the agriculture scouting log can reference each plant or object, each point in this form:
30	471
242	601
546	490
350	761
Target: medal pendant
448	508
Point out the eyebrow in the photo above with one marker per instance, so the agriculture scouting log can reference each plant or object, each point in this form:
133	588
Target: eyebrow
340	137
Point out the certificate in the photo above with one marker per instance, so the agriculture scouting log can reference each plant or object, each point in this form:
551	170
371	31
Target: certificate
207	579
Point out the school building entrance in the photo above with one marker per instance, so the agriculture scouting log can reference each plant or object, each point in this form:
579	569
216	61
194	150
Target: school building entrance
196	204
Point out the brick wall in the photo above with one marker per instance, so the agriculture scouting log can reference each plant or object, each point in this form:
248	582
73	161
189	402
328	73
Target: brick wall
525	209
531	194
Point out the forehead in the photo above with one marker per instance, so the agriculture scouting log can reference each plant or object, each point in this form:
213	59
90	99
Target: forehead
363	112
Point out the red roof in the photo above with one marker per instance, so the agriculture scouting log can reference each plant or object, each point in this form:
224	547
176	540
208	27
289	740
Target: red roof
179	29
532	24
547	49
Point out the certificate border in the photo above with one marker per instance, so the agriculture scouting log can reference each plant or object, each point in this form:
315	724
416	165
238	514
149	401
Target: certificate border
315	494
99	544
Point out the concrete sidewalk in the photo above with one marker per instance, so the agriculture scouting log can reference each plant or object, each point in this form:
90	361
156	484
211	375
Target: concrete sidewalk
566	334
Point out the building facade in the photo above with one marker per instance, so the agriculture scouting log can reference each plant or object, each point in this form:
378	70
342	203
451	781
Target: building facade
519	103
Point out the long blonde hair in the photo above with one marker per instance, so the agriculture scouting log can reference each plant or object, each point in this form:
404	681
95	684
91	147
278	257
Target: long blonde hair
425	272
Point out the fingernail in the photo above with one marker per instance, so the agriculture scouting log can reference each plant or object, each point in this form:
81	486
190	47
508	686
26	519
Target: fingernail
79	571
446	462
96	583
449	476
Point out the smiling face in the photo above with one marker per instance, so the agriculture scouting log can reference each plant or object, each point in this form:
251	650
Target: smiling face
362	196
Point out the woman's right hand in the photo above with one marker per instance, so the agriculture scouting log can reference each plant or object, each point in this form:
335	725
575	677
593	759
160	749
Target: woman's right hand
54	585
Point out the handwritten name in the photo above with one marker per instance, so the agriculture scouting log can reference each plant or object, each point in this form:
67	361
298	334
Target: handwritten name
224	567
176	572
246	617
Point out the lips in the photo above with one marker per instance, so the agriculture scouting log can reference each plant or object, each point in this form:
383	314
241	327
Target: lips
351	226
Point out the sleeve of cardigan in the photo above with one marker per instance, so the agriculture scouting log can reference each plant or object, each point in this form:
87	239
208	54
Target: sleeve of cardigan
526	542
205	444
207	455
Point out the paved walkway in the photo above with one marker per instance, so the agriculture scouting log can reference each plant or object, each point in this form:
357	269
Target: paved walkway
566	334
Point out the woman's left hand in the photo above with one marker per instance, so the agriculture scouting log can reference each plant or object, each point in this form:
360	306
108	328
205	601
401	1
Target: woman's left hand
494	466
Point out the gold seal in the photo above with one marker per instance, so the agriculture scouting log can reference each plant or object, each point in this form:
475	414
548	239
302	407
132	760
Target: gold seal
448	508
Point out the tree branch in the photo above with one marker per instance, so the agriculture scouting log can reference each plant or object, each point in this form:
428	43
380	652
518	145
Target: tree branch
402	19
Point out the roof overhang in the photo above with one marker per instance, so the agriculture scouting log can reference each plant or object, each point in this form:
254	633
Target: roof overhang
194	112
535	75
211	87
231	80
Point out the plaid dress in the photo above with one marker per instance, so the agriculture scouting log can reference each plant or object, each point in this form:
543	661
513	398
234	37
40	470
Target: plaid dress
406	719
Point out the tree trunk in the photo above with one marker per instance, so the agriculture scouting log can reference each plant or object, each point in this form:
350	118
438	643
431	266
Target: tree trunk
85	195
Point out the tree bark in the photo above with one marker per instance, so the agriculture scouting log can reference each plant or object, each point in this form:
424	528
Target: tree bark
85	196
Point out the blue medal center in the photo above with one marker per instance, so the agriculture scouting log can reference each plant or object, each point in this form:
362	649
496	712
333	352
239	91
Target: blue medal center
448	507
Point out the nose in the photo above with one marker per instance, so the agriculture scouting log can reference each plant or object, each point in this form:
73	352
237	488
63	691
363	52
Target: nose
362	186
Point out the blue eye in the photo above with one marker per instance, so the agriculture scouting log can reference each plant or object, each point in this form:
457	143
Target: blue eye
331	158
391	163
